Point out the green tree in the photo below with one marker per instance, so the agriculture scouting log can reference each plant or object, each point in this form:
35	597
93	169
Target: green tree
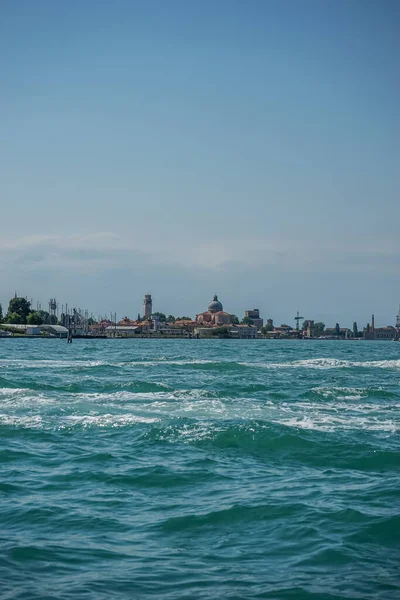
183	319
14	318
305	325
266	328
161	317
45	316
19	306
1	314
355	329
247	321
34	318
319	326
221	331
337	329
170	319
91	321
287	326
235	320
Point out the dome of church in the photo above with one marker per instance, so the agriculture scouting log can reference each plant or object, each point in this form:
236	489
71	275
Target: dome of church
215	305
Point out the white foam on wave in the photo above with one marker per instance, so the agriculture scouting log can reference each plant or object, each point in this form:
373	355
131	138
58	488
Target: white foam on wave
350	393
200	413
27	421
195	402
106	420
326	363
162	404
23	398
311	363
120	396
331	423
13	391
381	364
50	364
155	363
56	364
126	396
344	406
70	421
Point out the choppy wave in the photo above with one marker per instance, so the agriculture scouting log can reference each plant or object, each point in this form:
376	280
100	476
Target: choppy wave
334	423
323	363
180	470
87	364
350	393
327	363
322	408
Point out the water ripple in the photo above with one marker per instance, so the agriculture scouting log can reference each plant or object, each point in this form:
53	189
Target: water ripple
199	469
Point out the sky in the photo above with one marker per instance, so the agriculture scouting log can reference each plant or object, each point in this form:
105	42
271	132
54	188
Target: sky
248	148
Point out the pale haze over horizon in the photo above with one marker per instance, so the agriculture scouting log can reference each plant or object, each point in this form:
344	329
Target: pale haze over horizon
245	148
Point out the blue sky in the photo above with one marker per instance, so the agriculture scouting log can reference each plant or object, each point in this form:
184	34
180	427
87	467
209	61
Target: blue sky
249	149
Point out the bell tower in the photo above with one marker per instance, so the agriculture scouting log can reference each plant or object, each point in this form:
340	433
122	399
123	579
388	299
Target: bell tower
147	306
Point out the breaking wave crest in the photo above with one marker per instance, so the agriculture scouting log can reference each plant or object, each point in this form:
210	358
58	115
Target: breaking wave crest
327	363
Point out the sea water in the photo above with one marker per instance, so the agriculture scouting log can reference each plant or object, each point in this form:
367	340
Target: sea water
182	469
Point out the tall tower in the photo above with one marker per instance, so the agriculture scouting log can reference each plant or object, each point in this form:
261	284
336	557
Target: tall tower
398	319
147	306
53	311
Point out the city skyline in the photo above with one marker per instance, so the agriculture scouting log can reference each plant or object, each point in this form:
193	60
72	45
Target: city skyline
58	308
249	149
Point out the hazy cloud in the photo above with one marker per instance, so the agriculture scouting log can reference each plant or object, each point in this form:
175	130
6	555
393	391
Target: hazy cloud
104	250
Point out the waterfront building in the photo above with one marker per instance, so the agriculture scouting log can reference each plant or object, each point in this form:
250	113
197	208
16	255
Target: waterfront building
189	325
145	326
244	331
233	331
329	332
156	323
283	331
380	333
98	329
179	328
125	322
215	314
32	330
385	333
311	331
172	330
254	315
118	331
75	322
147	306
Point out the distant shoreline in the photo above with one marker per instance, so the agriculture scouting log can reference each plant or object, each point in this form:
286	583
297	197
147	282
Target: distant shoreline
148	337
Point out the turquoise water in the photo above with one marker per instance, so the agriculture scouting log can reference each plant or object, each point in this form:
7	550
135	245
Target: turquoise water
182	469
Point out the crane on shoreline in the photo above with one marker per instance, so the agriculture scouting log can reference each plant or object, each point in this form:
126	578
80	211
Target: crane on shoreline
297	319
